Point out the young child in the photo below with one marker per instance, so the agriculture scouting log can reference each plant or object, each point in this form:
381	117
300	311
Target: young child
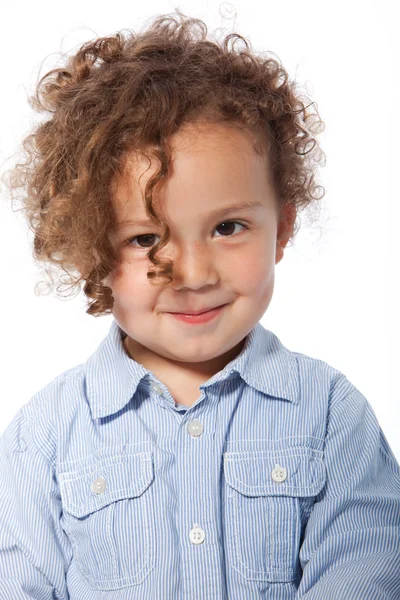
192	455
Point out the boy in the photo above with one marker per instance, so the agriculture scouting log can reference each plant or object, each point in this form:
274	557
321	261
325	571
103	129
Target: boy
193	455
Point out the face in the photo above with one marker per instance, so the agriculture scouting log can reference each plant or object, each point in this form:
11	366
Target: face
225	259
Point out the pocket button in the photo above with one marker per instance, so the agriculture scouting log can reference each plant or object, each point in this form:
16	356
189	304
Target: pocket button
279	474
99	485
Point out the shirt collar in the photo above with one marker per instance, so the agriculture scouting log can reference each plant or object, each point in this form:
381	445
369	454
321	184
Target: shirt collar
112	376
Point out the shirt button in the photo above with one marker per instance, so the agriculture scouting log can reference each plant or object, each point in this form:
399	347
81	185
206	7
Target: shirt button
99	485
279	474
195	428
156	388
197	535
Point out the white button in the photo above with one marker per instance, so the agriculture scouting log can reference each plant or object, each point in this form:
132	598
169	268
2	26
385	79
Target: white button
156	388
279	474
197	535
99	485
195	428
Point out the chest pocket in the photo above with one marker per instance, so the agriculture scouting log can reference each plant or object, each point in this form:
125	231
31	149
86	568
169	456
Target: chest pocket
268	498
108	515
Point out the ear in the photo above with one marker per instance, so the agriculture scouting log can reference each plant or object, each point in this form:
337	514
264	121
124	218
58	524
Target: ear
285	230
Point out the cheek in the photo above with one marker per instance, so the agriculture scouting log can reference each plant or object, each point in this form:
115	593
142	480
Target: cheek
116	275
253	268
125	278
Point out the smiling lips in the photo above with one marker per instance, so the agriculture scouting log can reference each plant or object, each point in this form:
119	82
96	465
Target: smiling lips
193	312
203	317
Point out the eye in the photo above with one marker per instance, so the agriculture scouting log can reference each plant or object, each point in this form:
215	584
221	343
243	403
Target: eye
146	236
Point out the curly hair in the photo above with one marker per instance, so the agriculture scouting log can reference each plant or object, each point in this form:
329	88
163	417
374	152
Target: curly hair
123	94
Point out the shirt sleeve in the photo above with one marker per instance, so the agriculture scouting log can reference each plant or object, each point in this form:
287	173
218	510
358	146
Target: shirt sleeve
351	545
34	550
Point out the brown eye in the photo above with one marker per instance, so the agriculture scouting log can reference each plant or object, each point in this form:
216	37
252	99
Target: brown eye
229	227
140	237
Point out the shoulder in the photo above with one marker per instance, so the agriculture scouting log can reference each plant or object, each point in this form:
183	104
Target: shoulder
311	368
312	379
322	381
52	409
56	397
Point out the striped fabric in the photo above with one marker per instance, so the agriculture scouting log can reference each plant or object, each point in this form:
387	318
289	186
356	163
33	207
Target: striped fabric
278	483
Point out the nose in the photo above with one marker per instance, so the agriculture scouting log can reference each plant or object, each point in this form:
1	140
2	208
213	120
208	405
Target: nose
194	267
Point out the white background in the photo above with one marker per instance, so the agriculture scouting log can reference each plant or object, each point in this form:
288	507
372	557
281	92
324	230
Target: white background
337	289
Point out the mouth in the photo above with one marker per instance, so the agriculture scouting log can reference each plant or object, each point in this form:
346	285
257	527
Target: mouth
199	312
201	317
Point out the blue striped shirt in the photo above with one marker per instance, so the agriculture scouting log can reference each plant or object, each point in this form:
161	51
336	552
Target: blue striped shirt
278	483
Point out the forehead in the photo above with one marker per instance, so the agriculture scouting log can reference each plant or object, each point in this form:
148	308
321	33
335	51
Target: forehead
210	163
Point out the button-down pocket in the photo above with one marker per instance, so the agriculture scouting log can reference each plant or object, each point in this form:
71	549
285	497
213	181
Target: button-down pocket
268	499
108	515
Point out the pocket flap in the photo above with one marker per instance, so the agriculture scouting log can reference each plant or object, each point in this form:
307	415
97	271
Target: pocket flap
104	481
294	471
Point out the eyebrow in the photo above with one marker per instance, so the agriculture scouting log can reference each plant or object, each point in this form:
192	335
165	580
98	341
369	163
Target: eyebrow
239	206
